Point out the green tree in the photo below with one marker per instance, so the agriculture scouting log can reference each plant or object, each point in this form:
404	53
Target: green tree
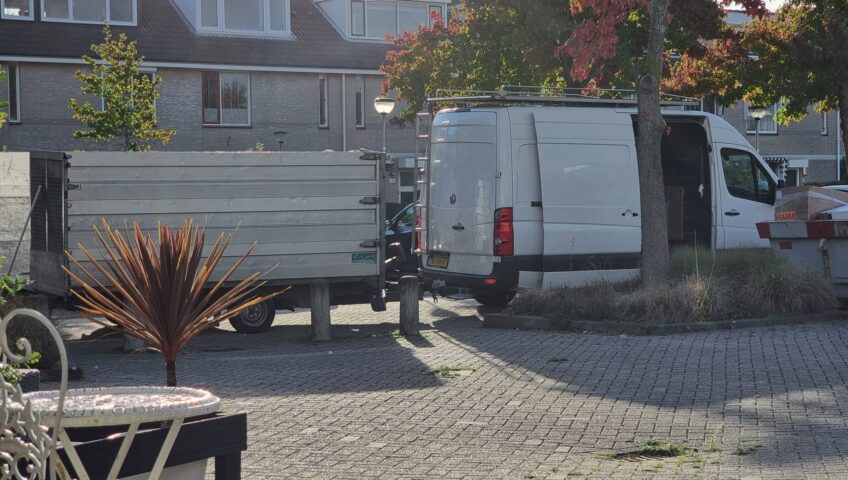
129	113
486	44
799	58
3	105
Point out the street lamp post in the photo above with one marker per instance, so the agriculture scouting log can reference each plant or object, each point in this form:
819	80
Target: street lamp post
758	113
384	106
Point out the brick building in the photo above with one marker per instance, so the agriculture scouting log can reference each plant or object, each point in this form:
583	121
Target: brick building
234	71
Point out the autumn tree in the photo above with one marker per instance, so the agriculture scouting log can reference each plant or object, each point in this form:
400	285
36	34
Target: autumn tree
3	105
129	113
615	34
485	44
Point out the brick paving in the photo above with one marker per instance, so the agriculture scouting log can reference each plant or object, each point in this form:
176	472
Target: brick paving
523	405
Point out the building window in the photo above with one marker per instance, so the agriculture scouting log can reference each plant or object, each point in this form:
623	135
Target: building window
226	98
16	9
435	11
115	12
13	80
357	18
323	110
376	18
824	123
407	179
249	17
768	125
360	101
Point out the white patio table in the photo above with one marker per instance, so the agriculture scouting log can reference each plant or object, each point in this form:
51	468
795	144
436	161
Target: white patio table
132	406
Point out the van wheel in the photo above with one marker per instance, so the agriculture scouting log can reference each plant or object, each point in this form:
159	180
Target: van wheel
256	319
494	299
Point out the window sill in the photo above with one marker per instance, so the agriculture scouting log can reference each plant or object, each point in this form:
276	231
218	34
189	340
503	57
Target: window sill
213	125
18	18
323	127
112	23
763	133
361	128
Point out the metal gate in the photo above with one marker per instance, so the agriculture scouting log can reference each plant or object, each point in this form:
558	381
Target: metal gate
48	186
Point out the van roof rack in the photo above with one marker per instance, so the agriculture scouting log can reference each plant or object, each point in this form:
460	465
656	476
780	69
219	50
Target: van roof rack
541	95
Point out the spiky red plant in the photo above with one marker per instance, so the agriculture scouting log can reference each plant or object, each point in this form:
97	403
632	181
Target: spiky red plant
159	291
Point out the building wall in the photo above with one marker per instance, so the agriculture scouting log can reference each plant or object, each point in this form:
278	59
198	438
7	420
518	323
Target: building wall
279	101
802	143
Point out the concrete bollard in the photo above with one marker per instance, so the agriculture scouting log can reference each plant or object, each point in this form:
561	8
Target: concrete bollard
319	306
409	305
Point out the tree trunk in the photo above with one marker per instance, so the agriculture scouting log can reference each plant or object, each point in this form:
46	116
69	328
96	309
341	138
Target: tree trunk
171	368
656	261
843	115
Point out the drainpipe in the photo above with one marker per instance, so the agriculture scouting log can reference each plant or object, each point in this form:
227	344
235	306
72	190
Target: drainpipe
838	147
344	112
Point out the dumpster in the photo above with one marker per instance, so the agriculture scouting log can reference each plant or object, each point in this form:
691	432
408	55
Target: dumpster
820	246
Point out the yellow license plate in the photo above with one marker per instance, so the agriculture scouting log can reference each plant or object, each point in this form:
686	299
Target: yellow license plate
438	261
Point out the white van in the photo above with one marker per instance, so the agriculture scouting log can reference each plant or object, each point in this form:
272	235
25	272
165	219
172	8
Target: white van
543	196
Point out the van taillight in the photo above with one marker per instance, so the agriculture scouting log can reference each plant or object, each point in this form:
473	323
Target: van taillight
504	235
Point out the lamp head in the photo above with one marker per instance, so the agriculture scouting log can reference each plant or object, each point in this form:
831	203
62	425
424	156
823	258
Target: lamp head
384	105
758	112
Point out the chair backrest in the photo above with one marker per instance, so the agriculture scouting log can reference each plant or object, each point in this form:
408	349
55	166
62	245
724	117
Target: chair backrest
28	443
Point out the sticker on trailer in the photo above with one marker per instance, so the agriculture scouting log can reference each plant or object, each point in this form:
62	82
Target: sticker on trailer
369	257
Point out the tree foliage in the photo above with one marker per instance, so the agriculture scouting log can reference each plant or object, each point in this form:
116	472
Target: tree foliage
129	113
3	105
485	44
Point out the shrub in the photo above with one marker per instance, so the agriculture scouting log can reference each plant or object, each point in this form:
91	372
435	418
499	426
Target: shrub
704	286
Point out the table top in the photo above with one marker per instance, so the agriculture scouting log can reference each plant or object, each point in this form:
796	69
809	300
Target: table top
91	407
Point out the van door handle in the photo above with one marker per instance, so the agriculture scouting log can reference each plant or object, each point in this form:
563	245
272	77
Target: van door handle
458	226
629	212
732	213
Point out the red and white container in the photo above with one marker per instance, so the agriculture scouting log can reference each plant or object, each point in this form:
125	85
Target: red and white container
820	246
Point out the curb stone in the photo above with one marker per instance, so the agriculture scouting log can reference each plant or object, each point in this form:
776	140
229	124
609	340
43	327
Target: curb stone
527	322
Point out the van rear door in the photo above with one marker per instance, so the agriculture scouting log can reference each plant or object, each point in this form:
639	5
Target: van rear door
461	194
590	199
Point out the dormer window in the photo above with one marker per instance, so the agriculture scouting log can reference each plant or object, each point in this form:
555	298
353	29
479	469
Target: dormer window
115	12
373	19
245	17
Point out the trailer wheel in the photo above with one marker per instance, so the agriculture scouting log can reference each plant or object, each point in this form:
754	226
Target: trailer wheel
494	299
256	319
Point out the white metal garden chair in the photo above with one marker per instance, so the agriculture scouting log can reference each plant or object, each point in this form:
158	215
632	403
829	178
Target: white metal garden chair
28	443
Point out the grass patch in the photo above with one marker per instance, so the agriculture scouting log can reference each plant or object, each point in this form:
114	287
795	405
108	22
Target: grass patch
396	333
652	449
705	286
451	372
746	450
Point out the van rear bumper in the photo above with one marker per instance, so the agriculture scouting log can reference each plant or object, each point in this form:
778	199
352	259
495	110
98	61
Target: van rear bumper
504	273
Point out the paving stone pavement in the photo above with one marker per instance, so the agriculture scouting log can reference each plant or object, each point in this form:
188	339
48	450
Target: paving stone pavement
749	404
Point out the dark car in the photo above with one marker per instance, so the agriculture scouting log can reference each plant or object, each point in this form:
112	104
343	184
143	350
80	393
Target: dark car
400	233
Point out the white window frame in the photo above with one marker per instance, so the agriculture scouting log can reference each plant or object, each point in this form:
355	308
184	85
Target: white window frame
109	20
323	101
17	79
365	36
745	116
221	102
29	18
360	86
824	123
222	22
